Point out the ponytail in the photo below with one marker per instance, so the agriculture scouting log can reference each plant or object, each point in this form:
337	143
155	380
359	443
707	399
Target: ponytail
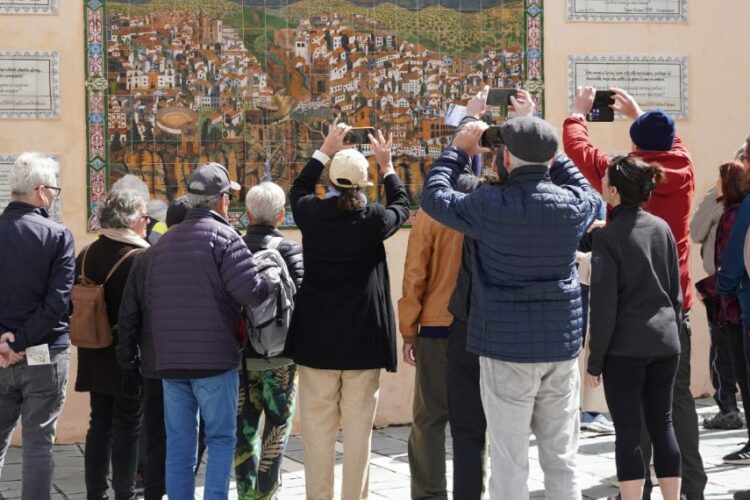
634	179
351	200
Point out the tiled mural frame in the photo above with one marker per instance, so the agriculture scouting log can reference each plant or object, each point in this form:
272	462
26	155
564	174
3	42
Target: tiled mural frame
53	82
623	17
682	113
13	7
97	91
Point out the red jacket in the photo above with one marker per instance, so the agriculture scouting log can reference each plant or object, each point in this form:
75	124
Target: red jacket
671	200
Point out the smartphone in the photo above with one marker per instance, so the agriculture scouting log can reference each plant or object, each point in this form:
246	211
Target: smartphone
601	112
500	97
492	137
359	135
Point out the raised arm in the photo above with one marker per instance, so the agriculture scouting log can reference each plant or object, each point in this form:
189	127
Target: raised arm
396	199
590	160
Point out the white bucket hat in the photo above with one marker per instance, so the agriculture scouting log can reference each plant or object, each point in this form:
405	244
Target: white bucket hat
349	169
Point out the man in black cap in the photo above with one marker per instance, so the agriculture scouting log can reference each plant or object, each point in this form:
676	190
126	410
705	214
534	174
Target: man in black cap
526	315
654	140
200	275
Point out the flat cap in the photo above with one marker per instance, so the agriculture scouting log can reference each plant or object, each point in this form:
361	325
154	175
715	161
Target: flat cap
530	138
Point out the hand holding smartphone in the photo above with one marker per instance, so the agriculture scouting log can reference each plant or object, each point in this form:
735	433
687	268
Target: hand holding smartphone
602	110
500	97
359	135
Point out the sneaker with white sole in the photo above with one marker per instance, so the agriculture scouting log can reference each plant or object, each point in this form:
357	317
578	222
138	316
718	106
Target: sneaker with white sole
741	457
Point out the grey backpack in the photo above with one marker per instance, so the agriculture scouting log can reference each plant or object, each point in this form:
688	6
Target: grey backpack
268	322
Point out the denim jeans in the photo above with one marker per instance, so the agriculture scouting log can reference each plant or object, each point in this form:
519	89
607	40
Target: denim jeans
542	398
35	394
216	400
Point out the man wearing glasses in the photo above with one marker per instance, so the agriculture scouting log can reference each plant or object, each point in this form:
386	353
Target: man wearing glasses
37	265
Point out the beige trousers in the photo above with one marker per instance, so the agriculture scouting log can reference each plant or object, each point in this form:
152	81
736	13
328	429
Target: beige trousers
327	397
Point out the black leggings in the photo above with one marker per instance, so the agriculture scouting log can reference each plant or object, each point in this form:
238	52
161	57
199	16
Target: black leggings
629	385
738	337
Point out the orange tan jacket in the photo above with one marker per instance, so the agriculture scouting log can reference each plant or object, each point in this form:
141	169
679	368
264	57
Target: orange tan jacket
433	257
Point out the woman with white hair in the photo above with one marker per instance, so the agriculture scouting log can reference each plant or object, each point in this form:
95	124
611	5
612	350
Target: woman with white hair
343	330
113	431
268	386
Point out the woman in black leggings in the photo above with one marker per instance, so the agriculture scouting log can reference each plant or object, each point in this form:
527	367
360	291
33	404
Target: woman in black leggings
635	319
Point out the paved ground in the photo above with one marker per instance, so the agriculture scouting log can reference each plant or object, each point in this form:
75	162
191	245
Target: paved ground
389	476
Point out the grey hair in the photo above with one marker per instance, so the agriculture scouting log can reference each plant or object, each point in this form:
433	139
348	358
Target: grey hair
134	183
201	200
121	209
30	171
157	209
264	203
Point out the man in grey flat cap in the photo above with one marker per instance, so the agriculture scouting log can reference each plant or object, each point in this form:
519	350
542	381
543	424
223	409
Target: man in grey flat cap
526	316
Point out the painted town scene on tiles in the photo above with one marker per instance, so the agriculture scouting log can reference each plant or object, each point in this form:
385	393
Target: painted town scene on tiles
255	84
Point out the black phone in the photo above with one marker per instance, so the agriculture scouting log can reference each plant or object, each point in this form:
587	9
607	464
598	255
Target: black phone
492	137
500	97
601	111
359	135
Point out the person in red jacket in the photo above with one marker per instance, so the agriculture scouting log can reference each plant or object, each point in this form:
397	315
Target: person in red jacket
655	141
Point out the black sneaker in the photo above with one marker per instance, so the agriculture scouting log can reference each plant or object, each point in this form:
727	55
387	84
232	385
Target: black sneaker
741	457
742	495
724	421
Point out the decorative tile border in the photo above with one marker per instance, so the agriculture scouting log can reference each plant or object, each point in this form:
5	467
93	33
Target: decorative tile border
29	6
619	71
661	11
97	156
22	73
6	161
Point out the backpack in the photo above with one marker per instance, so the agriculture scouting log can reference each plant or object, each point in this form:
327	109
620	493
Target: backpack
89	323
268	322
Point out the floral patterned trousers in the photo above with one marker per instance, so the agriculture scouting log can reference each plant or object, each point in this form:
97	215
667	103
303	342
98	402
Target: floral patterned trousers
257	465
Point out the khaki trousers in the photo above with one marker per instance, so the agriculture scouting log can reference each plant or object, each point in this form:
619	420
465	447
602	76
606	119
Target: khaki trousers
327	397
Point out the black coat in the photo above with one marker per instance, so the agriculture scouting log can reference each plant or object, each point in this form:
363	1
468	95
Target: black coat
636	302
98	370
135	346
258	236
343	318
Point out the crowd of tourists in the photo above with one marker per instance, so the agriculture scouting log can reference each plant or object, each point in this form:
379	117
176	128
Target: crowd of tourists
192	336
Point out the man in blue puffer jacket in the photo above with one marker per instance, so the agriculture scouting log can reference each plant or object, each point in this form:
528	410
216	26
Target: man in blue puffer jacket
201	273
526	316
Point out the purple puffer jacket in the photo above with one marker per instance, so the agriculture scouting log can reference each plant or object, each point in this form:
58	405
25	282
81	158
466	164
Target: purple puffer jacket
200	273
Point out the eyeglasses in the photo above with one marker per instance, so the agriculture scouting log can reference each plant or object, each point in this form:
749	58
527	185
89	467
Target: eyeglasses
230	196
54	189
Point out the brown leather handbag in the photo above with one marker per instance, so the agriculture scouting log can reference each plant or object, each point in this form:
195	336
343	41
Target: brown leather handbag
89	324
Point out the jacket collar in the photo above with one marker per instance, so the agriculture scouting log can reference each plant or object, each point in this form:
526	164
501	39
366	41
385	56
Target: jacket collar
622	210
528	173
204	212
25	207
262	230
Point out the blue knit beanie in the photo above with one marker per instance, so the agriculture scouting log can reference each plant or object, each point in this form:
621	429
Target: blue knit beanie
653	131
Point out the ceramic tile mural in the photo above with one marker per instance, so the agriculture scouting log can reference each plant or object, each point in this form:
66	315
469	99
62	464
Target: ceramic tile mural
254	84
